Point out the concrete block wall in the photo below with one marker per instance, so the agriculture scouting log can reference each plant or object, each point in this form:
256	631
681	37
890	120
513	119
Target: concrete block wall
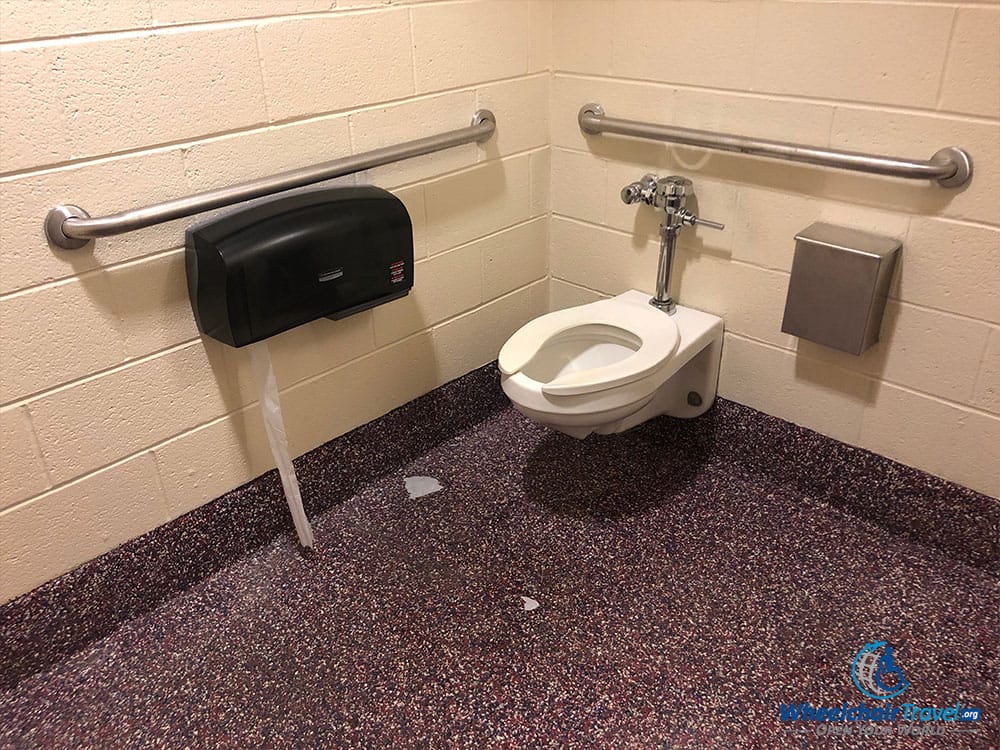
897	78
116	416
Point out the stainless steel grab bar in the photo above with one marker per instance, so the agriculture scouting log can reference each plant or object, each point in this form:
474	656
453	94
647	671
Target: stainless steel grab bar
71	227
951	167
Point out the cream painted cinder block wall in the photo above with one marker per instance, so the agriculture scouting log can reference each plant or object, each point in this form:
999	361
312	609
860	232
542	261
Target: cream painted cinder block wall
895	78
116	415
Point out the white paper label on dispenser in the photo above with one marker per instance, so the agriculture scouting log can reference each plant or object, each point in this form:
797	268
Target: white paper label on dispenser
274	424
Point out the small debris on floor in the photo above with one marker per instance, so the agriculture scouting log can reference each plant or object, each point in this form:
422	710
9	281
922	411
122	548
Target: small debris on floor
420	486
529	603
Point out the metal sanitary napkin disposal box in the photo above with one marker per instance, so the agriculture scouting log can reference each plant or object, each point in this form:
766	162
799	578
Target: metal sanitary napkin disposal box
280	263
836	294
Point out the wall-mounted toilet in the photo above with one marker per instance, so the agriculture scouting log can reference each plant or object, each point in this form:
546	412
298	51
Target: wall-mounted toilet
609	365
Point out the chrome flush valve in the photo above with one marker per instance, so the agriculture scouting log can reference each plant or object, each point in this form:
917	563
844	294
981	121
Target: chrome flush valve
670	194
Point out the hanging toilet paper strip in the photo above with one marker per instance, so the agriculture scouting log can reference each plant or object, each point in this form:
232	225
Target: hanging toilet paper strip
274	424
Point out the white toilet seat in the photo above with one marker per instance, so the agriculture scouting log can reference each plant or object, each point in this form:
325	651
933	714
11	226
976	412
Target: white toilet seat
656	332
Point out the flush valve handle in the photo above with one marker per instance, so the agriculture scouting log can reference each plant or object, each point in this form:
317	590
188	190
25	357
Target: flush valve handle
690	219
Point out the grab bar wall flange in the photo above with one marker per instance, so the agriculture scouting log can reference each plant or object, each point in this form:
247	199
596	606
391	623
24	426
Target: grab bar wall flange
70	227
951	167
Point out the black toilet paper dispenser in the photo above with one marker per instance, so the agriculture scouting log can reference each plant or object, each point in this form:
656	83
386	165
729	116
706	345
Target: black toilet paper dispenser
283	262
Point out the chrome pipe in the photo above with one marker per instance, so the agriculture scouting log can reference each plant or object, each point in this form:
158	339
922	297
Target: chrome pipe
950	167
662	299
71	227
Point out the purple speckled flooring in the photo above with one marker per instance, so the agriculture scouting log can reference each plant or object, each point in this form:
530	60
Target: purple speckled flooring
690	577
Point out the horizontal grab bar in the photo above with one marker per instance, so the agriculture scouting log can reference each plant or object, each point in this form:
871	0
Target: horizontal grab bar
951	167
71	227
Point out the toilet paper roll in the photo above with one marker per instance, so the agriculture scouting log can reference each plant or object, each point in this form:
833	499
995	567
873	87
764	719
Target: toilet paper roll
274	424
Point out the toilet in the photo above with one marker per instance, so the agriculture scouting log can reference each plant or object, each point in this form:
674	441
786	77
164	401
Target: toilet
610	365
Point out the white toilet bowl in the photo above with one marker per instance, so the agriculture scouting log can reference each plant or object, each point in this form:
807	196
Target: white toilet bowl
609	365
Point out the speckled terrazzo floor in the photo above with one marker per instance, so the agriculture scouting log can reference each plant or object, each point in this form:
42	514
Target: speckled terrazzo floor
690	577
